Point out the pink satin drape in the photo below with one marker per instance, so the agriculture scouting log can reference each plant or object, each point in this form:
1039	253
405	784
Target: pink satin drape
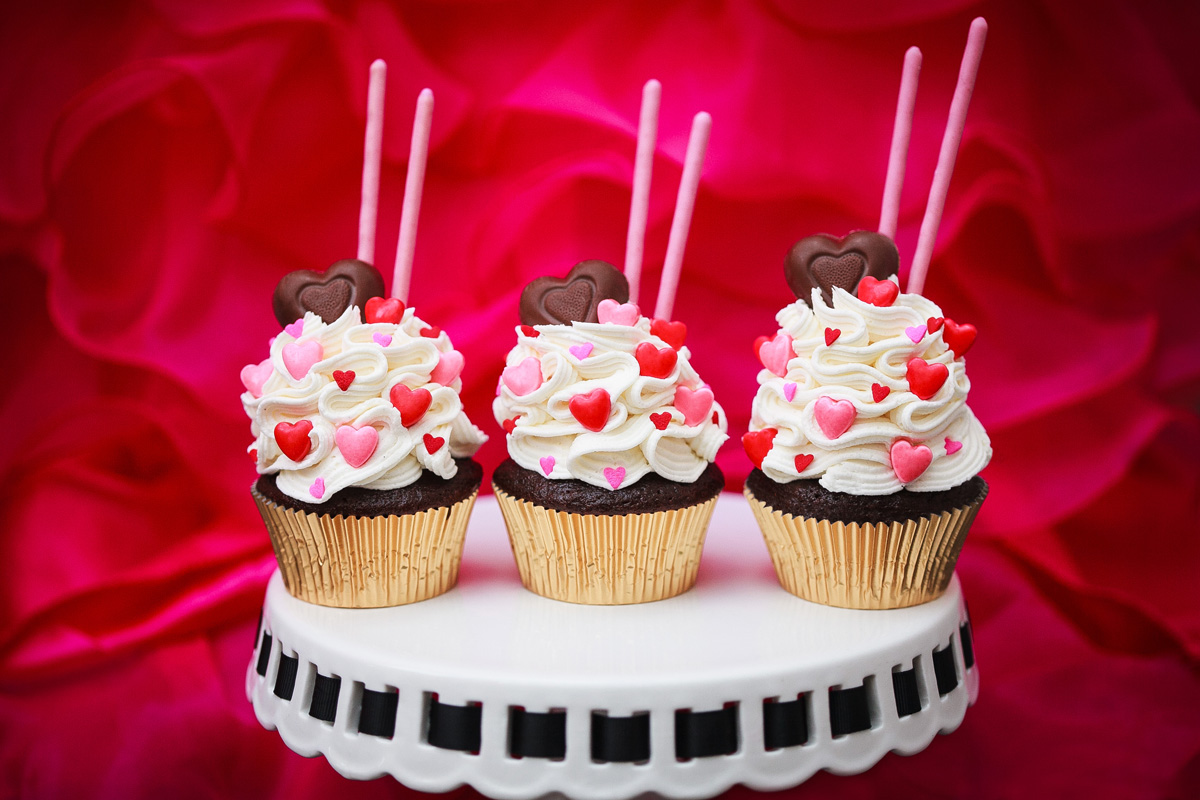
163	163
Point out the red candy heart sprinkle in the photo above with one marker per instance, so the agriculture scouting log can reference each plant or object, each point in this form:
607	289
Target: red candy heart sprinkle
433	443
880	392
661	420
510	424
673	333
653	362
380	309
432	332
716	418
254	457
344	379
802	462
758	443
958	338
934	324
831	335
411	403
924	378
293	439
591	409
877	293
530	331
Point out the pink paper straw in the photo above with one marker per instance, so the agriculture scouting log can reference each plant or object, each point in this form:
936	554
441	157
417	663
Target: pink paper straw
945	165
413	186
685	203
368	211
647	135
901	134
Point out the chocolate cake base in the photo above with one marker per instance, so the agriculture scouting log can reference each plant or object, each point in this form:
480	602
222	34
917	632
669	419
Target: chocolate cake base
808	498
650	494
429	491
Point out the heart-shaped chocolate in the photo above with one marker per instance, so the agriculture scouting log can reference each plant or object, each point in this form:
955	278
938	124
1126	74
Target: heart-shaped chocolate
824	261
327	294
561	301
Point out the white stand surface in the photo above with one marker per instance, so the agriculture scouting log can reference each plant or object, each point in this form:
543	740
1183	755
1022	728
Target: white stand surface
737	641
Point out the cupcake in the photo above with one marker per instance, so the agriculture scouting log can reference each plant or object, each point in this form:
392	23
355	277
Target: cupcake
361	444
362	447
866	454
610	481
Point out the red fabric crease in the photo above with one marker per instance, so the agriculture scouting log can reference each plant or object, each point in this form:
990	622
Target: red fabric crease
164	163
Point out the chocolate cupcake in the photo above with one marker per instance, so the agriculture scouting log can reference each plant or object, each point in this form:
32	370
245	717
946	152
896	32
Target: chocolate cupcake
611	436
363	449
866	454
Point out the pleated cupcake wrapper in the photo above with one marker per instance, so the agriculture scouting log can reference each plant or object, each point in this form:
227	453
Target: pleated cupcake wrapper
599	559
864	565
367	562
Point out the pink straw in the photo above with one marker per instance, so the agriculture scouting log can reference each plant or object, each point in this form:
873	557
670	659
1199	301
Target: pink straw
368	211
901	133
413	186
945	165
685	203
635	240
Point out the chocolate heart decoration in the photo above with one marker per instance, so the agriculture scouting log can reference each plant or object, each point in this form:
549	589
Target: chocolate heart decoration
824	261
327	294
561	301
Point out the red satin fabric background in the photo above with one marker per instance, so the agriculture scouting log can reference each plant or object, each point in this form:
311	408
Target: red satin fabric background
163	163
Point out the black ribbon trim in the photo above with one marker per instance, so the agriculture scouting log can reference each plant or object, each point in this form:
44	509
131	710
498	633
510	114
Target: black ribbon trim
701	734
785	724
908	695
533	734
620	739
944	670
285	676
968	645
849	710
455	727
378	714
325	698
264	655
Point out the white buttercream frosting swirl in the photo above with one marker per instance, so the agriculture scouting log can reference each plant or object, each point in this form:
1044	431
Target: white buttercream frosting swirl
646	429
379	364
873	349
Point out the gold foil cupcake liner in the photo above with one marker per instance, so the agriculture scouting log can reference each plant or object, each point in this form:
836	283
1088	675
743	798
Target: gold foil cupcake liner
602	559
367	562
865	565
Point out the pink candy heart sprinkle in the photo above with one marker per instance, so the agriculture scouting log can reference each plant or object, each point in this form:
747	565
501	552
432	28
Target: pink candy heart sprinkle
582	351
382	339
615	476
614	313
776	353
916	333
356	444
695	405
547	463
317	490
295	329
255	375
449	367
952	446
299	357
834	417
524	378
909	461
789	391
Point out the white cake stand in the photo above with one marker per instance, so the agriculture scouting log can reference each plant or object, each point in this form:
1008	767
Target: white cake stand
736	681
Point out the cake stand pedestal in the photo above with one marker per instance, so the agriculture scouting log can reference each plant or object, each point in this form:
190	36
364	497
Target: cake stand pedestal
736	681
